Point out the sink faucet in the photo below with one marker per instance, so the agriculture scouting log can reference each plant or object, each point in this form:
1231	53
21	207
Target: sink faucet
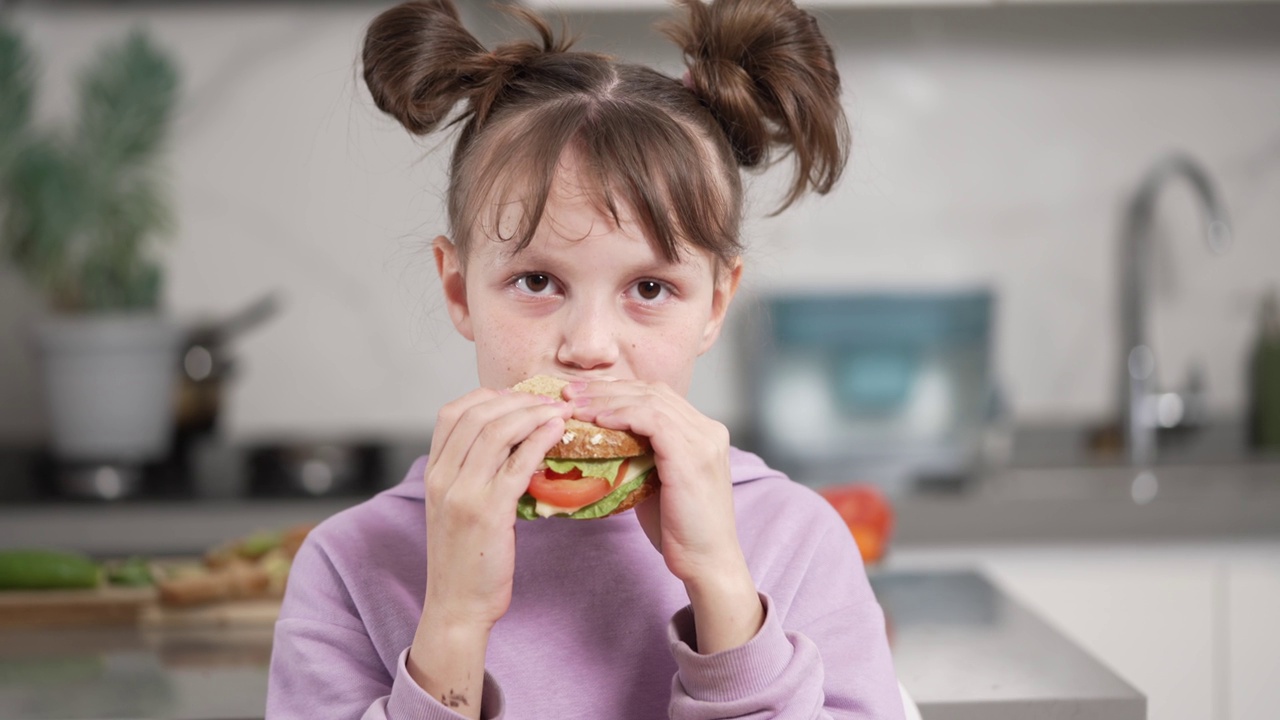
1143	408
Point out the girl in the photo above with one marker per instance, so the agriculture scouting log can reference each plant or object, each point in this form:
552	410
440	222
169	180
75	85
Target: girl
594	213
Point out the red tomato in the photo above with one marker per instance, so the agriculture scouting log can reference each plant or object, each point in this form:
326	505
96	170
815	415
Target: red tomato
568	493
571	489
868	514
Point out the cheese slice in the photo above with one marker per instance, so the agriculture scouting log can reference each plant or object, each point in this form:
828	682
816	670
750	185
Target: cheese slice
637	467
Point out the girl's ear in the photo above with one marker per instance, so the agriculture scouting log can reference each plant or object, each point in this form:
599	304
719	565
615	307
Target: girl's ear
455	284
726	287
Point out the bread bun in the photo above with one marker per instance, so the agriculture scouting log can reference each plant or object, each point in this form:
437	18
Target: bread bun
584	440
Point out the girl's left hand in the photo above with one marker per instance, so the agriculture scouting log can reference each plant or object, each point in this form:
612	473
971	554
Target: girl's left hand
691	521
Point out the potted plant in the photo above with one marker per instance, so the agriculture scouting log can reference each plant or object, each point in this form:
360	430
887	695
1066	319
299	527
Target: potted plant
82	210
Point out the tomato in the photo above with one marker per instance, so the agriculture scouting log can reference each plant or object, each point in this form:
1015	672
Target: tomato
571	489
568	493
868	514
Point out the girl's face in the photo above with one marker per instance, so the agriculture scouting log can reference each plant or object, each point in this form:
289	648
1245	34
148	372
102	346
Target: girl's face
586	298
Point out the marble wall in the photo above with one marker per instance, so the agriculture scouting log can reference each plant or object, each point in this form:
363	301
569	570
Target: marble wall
993	146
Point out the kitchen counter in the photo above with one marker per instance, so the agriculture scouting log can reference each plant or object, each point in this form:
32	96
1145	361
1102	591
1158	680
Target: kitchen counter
963	650
1009	506
1177	502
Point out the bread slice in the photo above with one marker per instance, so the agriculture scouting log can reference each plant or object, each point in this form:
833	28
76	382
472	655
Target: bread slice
584	440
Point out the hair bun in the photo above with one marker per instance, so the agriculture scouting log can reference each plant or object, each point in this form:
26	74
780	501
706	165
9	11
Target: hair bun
763	68
420	62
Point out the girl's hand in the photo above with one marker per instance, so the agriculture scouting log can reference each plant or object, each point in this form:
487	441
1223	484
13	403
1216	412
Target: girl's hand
485	447
691	521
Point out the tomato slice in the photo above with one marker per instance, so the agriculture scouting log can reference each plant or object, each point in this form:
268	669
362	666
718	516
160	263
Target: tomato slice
568	493
572	490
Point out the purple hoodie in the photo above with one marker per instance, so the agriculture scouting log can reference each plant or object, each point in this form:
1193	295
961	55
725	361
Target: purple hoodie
598	627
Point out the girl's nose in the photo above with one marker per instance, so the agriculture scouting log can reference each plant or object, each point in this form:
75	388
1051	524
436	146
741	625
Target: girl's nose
589	339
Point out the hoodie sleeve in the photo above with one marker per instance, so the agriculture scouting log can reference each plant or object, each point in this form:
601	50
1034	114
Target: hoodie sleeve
323	663
827	657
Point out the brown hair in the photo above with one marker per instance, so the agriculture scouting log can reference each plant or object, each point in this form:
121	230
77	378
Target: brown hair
761	79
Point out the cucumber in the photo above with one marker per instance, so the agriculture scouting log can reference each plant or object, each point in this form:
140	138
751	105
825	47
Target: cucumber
46	569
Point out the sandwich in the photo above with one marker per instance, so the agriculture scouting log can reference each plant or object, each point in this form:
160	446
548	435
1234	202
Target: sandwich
593	472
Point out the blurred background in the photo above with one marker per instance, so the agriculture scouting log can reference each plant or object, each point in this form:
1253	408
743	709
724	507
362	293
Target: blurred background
1032	323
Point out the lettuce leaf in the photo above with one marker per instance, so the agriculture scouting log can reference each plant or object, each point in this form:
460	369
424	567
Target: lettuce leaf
525	507
607	469
608	503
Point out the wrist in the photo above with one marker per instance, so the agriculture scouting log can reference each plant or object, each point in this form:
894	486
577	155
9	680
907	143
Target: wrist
728	580
447	661
727	611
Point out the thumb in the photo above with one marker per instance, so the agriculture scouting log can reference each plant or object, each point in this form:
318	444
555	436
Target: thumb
649	514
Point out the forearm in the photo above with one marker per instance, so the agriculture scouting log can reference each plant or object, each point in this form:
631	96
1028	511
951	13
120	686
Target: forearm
726	609
447	661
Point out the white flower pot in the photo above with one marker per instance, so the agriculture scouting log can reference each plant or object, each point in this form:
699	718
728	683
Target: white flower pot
109	381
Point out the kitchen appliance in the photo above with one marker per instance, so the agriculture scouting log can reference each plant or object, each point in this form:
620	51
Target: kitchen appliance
887	387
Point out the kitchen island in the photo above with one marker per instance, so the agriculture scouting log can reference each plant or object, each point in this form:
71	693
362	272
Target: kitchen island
963	650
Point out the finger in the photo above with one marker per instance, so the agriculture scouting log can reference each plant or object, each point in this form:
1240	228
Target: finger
649	416
496	441
595	408
649	515
513	479
671	432
590	399
611	387
448	417
468	424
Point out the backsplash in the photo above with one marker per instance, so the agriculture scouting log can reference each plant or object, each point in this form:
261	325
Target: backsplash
992	147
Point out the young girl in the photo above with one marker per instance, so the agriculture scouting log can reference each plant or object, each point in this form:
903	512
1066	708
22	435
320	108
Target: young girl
594	212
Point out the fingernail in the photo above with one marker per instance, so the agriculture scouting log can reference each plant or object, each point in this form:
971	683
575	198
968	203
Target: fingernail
577	386
582	401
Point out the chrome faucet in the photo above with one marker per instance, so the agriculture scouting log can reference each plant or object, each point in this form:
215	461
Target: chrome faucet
1144	410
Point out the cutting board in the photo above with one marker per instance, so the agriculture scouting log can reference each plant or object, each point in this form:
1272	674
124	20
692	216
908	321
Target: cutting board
127	606
229	614
62	608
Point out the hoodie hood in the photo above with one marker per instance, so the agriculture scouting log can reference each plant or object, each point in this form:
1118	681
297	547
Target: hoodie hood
744	467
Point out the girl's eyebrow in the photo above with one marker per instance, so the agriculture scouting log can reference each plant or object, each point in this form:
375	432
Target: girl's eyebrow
538	258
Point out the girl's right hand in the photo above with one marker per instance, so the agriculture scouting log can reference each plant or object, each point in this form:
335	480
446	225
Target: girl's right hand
485	447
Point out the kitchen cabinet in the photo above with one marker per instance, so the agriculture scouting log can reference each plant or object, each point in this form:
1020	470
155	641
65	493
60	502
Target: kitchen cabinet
1252	599
1193	626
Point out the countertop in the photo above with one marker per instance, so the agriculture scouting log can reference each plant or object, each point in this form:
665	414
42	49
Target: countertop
1051	489
963	649
1010	506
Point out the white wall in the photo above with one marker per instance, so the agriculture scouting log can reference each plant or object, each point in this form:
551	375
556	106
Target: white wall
992	145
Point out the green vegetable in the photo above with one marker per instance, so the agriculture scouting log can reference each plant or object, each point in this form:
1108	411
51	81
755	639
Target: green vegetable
607	469
526	507
134	572
46	569
259	544
609	502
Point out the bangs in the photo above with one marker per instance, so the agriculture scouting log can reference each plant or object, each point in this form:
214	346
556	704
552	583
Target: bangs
634	162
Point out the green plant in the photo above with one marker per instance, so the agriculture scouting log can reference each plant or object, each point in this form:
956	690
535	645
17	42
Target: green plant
82	210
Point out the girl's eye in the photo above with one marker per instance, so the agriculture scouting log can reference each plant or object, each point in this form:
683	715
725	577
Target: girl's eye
536	284
651	290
